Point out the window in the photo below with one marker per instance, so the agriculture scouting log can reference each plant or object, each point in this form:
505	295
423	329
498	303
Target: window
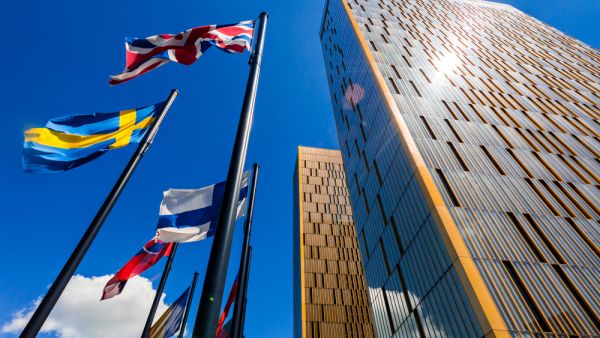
428	127
396	236
557	198
424	75
542	197
415	88
493	160
546	165
502	136
454	132
458	157
379	179
520	163
406	60
450	110
373	46
527	296
449	190
366	202
381	209
396	71
530	243
394	85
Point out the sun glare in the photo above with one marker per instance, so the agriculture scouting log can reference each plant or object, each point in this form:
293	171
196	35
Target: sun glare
445	65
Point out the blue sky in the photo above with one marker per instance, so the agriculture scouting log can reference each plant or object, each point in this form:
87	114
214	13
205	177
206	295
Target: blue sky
57	58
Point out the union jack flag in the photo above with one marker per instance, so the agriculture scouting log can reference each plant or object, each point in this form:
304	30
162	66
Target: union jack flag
143	55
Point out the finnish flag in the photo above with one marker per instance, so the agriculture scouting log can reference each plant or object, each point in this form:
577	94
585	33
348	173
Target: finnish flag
189	215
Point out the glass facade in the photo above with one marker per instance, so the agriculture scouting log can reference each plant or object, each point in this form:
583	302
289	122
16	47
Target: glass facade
470	141
330	294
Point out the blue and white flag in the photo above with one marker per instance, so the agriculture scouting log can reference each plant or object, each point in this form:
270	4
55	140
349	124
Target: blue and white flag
189	215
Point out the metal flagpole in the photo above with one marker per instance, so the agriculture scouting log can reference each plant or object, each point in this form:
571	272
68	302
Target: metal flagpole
43	310
188	305
159	291
236	320
216	272
245	298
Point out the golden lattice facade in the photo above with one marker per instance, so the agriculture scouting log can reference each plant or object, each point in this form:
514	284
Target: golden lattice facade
470	140
330	297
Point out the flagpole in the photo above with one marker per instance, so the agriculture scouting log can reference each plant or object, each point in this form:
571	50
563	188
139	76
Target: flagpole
188	305
245	298
159	291
236	320
47	304
216	272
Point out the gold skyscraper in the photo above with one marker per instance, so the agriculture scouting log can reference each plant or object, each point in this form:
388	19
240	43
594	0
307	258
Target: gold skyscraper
470	140
330	297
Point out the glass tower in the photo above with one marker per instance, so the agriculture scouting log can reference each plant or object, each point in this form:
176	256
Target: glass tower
470	141
330	297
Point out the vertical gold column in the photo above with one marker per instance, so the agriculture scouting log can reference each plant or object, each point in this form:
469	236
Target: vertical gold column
301	244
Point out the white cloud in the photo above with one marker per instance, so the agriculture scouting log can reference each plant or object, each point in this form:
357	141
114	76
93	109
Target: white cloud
79	312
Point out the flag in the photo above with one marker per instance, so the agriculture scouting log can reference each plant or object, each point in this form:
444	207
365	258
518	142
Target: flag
143	55
222	328
149	255
171	321
70	141
189	215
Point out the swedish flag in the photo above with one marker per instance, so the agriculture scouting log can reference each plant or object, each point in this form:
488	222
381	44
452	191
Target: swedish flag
70	141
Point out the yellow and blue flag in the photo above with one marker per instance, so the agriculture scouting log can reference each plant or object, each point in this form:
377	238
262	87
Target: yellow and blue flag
172	320
70	141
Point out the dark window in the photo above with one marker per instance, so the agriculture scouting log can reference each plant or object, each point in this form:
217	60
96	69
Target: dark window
373	45
428	127
493	160
449	190
458	157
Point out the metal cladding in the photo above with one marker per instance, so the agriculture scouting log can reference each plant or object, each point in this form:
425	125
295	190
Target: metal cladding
470	141
330	296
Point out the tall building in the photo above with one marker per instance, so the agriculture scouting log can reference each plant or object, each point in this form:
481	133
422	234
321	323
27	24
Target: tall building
330	296
470	140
